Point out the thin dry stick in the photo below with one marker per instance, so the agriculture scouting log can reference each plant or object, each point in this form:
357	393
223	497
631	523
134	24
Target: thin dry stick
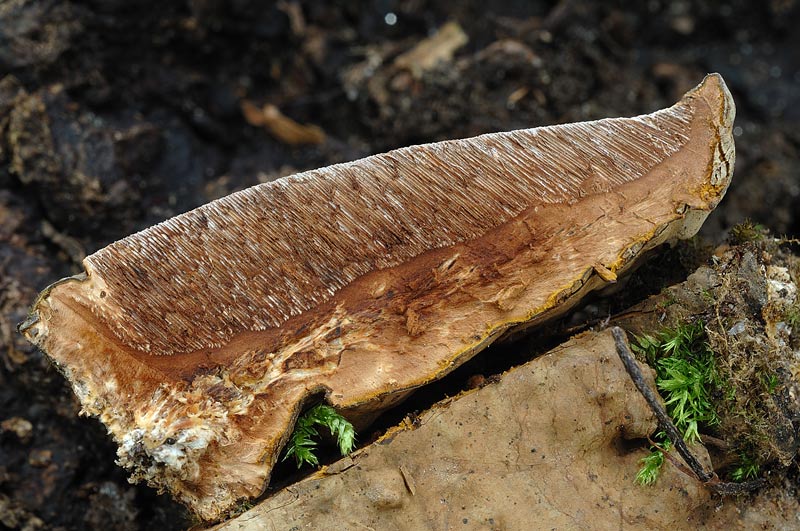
709	479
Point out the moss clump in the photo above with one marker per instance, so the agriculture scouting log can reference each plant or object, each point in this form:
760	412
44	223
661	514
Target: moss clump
687	378
668	299
686	375
746	469
751	330
757	410
652	463
302	443
746	232
792	316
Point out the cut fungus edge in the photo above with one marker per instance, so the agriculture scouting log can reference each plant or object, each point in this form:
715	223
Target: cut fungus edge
197	341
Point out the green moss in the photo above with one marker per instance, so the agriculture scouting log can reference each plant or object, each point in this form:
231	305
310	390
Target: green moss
771	382
792	316
668	299
686	377
686	386
708	296
725	375
652	463
302	443
748	468
747	231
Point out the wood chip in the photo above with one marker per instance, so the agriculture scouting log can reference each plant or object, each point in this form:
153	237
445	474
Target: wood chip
281	126
197	341
436	49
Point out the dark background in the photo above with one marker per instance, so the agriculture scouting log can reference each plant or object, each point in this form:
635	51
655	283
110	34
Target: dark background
118	114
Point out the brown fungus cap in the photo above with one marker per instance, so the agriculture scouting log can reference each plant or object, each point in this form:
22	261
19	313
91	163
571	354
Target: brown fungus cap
197	340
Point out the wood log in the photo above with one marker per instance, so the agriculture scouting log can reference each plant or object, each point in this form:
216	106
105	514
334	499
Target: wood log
197	341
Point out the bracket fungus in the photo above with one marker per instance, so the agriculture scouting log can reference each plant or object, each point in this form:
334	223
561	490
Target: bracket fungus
196	341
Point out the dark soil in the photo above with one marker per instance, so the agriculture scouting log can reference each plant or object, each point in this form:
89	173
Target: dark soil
115	115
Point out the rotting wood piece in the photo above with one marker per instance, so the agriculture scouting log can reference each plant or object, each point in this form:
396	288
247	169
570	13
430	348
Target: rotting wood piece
196	341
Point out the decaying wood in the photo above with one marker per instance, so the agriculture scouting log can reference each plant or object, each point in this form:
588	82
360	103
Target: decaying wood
197	341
